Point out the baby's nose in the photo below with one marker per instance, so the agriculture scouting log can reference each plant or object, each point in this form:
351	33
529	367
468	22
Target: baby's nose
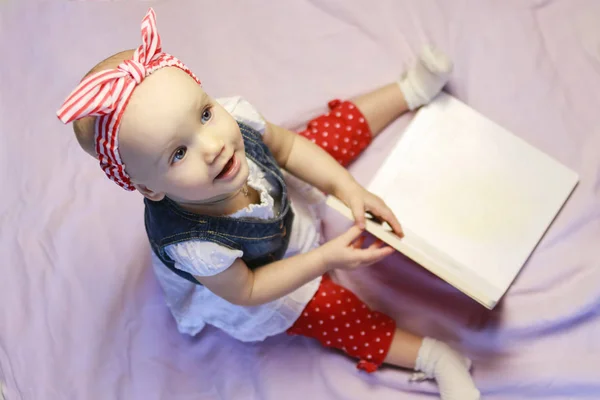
212	147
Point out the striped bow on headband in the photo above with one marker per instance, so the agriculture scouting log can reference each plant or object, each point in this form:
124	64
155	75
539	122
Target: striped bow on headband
106	93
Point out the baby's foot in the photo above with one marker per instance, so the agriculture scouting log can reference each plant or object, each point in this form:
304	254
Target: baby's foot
450	369
421	83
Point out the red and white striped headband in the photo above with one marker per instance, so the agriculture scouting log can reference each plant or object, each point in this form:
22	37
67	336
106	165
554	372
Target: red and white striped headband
106	93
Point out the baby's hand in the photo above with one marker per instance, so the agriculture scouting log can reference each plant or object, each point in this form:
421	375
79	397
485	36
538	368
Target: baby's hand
359	200
347	251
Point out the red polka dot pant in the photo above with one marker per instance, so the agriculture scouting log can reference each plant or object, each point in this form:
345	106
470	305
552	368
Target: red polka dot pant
339	319
343	132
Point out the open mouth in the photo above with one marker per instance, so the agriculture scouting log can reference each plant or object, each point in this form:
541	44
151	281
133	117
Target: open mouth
230	168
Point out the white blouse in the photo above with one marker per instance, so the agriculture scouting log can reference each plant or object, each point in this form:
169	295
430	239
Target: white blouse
193	306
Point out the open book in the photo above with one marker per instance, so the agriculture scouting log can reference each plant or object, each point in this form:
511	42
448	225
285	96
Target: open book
474	200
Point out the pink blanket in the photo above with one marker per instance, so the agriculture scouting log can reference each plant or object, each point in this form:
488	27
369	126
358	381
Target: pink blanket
82	316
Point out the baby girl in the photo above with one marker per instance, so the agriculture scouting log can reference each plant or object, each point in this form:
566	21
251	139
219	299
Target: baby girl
232	204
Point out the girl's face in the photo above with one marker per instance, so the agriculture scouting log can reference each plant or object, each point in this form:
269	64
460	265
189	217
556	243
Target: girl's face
178	142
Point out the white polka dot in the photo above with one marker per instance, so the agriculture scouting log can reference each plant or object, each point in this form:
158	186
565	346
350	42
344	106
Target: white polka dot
339	302
306	314
335	329
351	106
355	142
344	348
339	339
359	131
325	144
364	306
363	333
369	316
323	294
332	317
377	340
366	344
314	123
352	153
374	327
336	136
317	309
326	124
350	116
324	333
347	325
309	326
325	134
313	140
344	151
361	120
358	321
342	290
354	348
351	337
348	128
343	312
346	140
380	351
315	130
354	310
388	334
337	126
348	300
327	305
369	356
338	114
321	322
328	342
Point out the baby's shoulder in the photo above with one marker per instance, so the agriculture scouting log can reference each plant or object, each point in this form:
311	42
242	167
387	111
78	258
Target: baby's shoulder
202	258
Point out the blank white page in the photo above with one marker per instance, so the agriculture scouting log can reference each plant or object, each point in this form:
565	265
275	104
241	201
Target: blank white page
472	190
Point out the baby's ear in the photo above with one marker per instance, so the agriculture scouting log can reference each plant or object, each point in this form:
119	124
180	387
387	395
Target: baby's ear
149	193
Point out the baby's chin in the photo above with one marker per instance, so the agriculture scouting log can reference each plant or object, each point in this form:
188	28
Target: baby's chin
218	190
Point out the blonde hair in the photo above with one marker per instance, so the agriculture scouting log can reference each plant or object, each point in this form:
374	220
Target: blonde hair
84	127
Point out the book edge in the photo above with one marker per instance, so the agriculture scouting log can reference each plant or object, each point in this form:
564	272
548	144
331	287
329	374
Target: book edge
436	267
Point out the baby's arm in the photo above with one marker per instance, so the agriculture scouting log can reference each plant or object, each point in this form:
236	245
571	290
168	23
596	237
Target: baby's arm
305	159
314	165
242	286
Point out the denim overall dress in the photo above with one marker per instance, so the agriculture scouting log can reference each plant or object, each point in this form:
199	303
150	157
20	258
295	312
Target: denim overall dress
262	241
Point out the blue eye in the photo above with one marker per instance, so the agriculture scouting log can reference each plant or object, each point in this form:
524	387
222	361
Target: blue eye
206	115
179	154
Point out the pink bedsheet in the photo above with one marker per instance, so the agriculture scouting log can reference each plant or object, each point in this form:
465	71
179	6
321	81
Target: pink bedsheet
81	314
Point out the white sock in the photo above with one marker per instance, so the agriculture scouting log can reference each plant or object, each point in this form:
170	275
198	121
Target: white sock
421	83
436	360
